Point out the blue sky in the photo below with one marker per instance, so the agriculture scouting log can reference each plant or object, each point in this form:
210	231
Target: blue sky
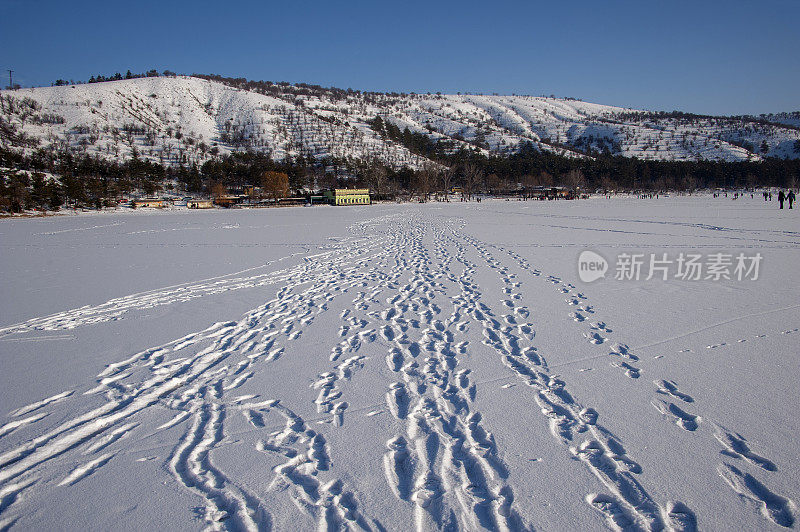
698	56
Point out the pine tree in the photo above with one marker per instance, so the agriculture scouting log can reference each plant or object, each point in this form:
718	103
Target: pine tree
55	200
39	190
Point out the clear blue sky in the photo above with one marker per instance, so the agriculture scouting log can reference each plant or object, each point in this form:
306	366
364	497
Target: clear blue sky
728	57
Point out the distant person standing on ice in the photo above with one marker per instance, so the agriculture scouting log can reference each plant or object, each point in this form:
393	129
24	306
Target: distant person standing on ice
781	197
790	197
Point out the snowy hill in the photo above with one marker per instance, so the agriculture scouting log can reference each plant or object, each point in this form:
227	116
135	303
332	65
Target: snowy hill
186	120
789	119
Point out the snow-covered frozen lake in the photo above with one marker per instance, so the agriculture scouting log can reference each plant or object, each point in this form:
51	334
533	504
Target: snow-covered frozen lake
396	367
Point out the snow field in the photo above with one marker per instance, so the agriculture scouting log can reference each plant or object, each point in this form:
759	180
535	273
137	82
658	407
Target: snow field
400	366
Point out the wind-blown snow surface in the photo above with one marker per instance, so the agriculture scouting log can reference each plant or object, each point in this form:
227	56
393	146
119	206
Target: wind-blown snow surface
398	366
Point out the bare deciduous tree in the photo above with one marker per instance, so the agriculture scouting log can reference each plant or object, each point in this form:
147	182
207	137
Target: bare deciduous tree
446	182
377	178
472	176
545	179
424	180
218	190
275	185
575	179
493	183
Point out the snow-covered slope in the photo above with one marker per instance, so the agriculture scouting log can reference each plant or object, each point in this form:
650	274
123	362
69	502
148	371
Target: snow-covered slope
790	119
185	120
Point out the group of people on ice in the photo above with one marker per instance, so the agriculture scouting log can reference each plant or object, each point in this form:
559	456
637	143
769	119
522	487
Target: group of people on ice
788	196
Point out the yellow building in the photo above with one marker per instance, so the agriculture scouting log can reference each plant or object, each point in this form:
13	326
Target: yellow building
148	202
348	196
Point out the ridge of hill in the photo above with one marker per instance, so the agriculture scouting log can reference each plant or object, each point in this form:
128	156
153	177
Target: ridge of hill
186	120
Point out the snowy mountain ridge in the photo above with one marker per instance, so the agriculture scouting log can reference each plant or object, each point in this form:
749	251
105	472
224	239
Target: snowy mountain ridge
188	120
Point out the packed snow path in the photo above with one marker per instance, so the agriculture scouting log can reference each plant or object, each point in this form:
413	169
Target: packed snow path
366	394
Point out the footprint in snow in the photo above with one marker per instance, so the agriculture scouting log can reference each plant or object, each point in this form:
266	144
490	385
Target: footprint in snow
680	417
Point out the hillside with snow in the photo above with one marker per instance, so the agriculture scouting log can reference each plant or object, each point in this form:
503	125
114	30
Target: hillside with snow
189	120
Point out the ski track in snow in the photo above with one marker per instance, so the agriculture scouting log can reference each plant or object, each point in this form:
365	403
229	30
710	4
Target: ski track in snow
409	287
